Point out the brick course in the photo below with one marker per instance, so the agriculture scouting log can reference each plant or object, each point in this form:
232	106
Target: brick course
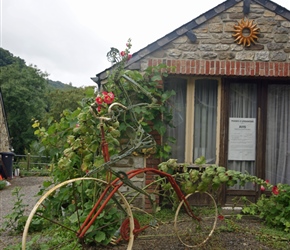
227	68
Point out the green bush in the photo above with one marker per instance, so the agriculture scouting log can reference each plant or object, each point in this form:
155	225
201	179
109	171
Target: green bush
2	184
274	209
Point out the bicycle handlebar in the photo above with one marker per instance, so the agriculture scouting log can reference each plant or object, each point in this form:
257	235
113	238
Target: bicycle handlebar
110	111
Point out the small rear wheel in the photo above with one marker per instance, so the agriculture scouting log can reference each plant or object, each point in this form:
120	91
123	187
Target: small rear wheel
194	231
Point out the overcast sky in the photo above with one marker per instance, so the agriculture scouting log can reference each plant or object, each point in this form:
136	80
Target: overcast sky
69	39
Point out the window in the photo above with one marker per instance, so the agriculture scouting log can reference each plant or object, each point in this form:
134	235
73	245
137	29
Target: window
177	104
195	116
278	134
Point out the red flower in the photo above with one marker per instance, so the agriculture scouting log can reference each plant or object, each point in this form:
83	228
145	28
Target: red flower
275	190
129	57
99	100
108	97
122	53
221	217
99	109
111	95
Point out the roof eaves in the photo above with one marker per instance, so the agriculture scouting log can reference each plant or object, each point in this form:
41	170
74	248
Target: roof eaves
193	24
278	9
175	34
185	28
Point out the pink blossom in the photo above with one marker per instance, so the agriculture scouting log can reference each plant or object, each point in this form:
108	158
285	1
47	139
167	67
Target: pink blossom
122	53
129	57
263	187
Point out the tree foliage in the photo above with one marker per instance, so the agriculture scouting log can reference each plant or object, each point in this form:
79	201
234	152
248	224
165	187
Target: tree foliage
28	95
58	100
23	88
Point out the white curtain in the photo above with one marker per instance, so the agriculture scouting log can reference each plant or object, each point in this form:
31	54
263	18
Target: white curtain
278	134
205	119
178	105
243	104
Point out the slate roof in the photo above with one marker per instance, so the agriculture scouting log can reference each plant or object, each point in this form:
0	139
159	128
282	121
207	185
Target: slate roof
186	28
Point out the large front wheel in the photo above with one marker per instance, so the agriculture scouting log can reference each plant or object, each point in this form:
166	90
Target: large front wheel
194	231
56	220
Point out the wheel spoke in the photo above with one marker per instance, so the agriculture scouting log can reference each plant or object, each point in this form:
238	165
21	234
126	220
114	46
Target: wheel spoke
64	208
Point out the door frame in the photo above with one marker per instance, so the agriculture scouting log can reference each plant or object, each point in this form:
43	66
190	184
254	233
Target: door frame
227	194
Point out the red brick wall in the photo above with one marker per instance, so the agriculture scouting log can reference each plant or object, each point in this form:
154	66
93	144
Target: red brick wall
226	68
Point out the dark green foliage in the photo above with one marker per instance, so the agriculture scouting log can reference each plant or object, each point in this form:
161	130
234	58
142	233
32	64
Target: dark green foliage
2	184
59	85
28	95
275	210
6	58
23	88
60	99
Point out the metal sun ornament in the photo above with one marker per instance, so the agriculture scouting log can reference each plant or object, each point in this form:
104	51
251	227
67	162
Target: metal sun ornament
246	32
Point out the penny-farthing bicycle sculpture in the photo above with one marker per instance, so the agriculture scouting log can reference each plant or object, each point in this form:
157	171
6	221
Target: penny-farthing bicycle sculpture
92	213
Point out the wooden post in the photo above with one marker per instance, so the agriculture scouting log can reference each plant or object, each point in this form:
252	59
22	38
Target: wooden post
28	161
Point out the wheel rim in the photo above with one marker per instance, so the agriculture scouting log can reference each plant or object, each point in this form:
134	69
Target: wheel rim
191	232
68	219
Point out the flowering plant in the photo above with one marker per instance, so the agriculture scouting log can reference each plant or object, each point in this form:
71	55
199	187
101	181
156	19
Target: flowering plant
274	208
125	54
104	97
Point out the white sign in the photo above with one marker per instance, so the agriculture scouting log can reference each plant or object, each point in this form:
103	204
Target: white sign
242	139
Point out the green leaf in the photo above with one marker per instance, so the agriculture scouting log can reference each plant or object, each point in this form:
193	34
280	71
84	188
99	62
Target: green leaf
46	184
201	160
100	236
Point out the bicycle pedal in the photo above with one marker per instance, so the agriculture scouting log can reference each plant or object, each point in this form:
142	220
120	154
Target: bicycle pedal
114	240
156	226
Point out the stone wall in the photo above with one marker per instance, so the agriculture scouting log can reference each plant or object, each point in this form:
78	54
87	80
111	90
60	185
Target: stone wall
131	163
215	42
4	139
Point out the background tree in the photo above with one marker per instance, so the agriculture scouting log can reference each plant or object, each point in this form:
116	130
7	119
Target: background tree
60	99
29	95
23	88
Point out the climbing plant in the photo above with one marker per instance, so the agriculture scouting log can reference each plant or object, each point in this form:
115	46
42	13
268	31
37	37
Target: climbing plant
74	142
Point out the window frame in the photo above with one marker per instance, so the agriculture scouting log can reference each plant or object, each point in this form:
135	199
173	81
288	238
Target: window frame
189	125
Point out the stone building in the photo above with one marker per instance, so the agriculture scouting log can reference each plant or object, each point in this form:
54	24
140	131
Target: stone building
4	132
232	103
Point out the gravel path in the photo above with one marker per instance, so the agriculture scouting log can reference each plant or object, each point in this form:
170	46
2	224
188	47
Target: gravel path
240	235
30	186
